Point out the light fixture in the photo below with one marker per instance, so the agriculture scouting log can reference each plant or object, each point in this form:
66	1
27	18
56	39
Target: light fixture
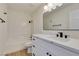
50	6
59	4
46	8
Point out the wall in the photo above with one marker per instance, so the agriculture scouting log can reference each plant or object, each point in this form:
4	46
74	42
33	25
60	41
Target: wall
19	30
38	22
37	25
3	28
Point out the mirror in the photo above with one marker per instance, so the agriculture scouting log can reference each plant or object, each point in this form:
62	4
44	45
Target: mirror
63	17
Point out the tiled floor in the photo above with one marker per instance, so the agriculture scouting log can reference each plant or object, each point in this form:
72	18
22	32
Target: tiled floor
20	53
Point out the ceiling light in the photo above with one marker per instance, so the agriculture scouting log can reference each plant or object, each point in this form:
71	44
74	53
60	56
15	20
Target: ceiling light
46	8
51	6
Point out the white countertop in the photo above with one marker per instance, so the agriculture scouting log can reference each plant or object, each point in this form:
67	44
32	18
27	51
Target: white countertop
73	43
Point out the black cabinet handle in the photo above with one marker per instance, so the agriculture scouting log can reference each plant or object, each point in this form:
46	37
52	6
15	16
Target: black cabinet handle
33	45
33	39
33	54
48	54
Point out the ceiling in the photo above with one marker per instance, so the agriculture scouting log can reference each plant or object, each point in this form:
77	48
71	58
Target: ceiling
27	7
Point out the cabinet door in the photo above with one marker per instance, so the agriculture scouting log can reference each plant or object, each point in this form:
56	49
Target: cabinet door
44	48
34	46
37	48
56	50
59	51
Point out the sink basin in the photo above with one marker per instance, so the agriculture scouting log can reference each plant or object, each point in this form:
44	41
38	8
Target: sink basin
50	36
63	39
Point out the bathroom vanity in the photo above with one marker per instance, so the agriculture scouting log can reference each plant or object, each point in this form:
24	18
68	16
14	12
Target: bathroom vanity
49	45
63	18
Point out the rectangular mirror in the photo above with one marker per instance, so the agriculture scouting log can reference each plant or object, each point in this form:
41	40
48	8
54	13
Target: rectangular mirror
63	16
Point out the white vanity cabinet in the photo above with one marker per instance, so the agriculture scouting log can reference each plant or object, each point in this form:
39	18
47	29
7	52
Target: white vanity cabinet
42	47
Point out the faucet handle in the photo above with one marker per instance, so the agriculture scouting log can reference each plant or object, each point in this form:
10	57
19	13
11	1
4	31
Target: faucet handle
57	35
66	36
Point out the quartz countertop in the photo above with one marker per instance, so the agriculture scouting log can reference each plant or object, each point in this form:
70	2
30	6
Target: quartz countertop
69	42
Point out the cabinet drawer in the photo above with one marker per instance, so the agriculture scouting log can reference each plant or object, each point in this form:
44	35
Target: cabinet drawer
42	48
60	51
39	51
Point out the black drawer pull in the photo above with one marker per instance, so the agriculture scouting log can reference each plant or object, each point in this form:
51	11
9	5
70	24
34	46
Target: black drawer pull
33	45
50	55
47	53
33	54
33	39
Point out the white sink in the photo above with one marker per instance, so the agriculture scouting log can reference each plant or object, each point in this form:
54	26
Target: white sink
63	39
50	36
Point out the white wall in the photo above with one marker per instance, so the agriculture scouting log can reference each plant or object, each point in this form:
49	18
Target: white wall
19	30
37	25
3	28
38	22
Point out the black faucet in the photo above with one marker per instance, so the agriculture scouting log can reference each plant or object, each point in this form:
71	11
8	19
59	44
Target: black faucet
61	34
